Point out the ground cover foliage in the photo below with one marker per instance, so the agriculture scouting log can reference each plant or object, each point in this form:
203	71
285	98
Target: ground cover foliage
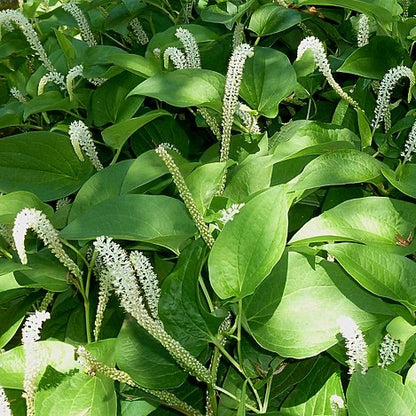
207	208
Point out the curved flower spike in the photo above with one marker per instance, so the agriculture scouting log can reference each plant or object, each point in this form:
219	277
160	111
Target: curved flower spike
317	48
177	57
192	57
31	218
389	81
82	22
363	32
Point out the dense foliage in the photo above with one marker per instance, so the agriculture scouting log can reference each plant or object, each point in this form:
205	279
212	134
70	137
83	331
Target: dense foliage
207	208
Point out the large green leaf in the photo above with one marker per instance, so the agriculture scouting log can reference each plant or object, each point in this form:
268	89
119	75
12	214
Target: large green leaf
375	59
382	393
180	308
145	360
57	354
155	219
48	101
268	78
273	18
378	270
383	10
294	312
312	395
135	64
249	246
304	137
116	135
367	220
338	168
42	163
185	88
405	182
12	203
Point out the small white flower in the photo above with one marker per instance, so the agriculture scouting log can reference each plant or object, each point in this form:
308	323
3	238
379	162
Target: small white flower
82	22
16	93
54	77
410	145
315	45
81	138
157	52
248	119
389	81
170	146
363	32
15	16
389	349
60	203
33	362
31	218
176	56
229	213
336	402
138	31
192	57
4	404
211	121
355	344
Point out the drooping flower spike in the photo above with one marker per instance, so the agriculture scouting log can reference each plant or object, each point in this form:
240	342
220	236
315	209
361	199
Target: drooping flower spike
410	145
363	32
54	77
81	138
31	218
389	81
76	71
388	352
176	56
188	40
315	45
16	17
16	93
138	31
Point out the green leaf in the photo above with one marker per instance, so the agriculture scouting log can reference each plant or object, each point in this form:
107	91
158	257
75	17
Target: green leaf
57	354
179	306
42	163
145	360
204	182
249	246
303	137
103	185
78	395
12	203
156	219
45	271
185	88
366	220
109	99
365	392
135	64
405	181
268	78
11	114
312	395
116	135
378	270
294	312
338	168
375	59
382	10
272	18
48	101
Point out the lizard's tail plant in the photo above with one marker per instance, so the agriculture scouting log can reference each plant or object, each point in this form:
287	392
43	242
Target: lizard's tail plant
16	17
355	345
247	117
4	404
81	138
76	71
389	81
337	405
187	10
83	25
31	218
54	77
405	5
230	100
30	336
186	195
188	59
238	35
410	145
92	366
177	57
315	45
16	93
388	352
139	32
117	263
363	31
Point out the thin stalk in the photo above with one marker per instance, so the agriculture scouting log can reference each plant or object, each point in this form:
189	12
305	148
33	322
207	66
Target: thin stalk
227	393
117	154
6	253
239	323
206	294
267	395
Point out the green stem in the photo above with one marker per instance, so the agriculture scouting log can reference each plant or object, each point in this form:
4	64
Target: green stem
117	154
267	394
227	393
239	323
6	253
206	294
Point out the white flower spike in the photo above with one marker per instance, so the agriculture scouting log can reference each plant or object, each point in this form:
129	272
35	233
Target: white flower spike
363	32
138	31
192	57
389	349
83	25
355	345
54	77
4	404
